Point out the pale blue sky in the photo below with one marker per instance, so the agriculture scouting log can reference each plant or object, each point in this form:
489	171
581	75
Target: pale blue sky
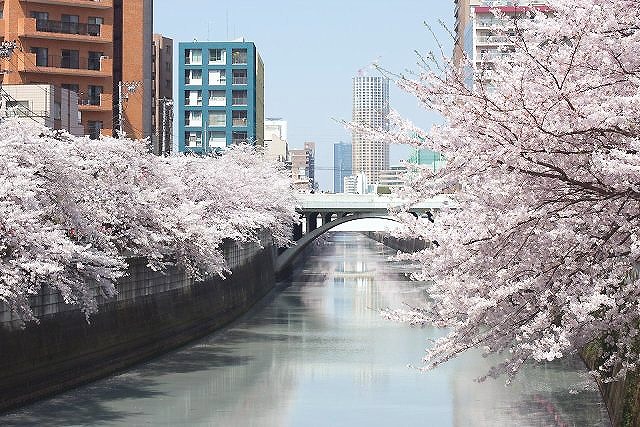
312	49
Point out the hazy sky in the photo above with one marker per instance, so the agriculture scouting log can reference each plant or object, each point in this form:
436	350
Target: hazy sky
312	49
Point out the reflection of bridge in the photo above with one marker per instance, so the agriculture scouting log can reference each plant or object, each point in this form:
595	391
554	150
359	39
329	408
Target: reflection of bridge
321	212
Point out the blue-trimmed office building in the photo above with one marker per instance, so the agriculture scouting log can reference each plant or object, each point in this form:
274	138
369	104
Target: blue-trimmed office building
221	95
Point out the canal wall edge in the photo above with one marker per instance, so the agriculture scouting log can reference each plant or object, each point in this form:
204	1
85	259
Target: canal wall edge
154	312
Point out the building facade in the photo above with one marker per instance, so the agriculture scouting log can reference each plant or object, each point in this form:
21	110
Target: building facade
342	165
370	109
302	163
162	95
276	146
88	47
220	95
483	38
50	106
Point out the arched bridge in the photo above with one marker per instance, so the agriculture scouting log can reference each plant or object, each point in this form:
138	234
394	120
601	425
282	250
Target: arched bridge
321	212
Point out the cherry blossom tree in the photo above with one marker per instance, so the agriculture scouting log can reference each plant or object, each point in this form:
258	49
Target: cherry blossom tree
72	211
537	256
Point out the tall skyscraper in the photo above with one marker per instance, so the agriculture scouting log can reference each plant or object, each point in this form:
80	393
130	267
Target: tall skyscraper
88	47
162	118
220	95
370	109
342	165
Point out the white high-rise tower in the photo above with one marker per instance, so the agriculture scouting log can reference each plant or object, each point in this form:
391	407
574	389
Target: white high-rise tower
370	108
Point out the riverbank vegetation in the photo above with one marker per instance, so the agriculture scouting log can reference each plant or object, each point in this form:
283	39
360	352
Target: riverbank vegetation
72	210
542	146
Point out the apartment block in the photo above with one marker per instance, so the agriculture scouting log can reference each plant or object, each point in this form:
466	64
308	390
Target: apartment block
275	139
371	110
302	162
85	46
162	94
220	95
483	38
50	106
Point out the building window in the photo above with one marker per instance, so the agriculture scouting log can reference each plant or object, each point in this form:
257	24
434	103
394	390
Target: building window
94	128
193	77
239	77
217	98
239	56
193	139
239	118
217	138
70	59
193	56
93	62
93	25
40	16
193	97
193	118
217	118
239	97
217	77
217	56
70	24
239	137
71	87
94	95
42	56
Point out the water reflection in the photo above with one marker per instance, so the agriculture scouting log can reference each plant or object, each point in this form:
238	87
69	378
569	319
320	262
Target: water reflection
318	354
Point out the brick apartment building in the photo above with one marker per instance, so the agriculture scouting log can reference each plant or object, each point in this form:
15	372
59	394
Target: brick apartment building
87	46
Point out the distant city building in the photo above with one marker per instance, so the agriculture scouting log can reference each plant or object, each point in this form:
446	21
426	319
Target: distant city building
162	114
356	184
391	179
302	167
87	47
275	139
370	109
221	95
342	165
426	157
48	105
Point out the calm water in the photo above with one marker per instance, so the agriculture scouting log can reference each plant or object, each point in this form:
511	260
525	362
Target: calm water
318	354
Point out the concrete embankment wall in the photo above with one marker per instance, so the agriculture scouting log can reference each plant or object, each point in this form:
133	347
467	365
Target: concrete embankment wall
403	245
153	312
622	397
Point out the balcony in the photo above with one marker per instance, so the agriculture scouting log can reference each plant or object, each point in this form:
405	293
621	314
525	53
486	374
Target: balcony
64	65
92	4
239	122
102	102
69	31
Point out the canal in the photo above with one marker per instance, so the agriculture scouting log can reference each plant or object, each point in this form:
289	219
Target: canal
317	353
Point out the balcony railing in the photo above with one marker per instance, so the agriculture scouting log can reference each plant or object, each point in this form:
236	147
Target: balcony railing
240	121
91	100
239	80
48	26
76	63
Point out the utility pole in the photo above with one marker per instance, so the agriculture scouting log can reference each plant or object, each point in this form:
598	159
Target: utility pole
124	89
167	125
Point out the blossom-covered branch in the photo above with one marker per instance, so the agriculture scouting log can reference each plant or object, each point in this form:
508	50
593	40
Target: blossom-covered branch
72	210
539	260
